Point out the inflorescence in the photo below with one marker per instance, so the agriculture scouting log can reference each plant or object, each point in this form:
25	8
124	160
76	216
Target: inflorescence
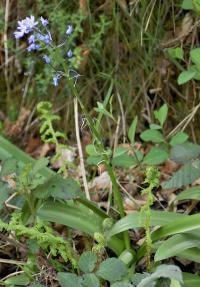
40	39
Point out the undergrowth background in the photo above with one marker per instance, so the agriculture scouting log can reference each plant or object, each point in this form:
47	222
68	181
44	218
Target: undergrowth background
139	55
121	40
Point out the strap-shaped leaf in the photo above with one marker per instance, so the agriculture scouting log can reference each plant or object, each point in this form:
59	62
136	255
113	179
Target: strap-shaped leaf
176	245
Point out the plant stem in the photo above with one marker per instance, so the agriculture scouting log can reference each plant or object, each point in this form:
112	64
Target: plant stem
116	191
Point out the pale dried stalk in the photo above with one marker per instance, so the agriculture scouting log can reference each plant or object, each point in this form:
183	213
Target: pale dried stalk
80	151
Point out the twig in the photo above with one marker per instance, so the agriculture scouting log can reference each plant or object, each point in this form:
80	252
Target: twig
80	151
123	117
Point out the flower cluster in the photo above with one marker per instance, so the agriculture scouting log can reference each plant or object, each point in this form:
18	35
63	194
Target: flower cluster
40	39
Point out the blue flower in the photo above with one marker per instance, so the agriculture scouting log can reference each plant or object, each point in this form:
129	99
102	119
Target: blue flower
33	47
44	22
31	39
44	38
46	59
18	34
69	30
55	79
25	26
69	53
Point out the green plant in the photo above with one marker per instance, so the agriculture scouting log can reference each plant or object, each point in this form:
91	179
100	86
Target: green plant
152	180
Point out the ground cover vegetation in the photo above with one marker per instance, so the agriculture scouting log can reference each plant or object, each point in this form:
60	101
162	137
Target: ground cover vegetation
99	143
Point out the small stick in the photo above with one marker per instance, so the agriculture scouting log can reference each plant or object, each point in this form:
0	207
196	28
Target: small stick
80	151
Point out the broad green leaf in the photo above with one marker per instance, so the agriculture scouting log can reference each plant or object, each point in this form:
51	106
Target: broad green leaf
90	280
176	53
161	114
155	127
112	269
132	130
192	254
79	217
8	150
39	165
176	245
184	152
121	284
126	160
120	150
154	136
163	271
59	188
187	5
195	56
69	279
190	193
196	5
185	76
8	167
184	176
155	156
18	280
136	278
191	280
178	138
93	160
158	218
180	225
87	261
91	150
175	283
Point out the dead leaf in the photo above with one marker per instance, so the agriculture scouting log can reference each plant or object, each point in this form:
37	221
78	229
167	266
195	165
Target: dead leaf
101	182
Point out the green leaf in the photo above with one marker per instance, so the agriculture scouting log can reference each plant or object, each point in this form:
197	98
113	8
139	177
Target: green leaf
8	167
4	194
91	150
191	280
19	280
69	280
155	156
192	254
112	269
185	76
132	130
176	53
78	217
163	271
195	56
180	225
157	218
154	136
184	176
155	127
121	284
59	188
178	138
87	261
190	193
125	160
93	160
184	152
39	165
187	5
176	245
90	280
196	5
161	114
100	109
